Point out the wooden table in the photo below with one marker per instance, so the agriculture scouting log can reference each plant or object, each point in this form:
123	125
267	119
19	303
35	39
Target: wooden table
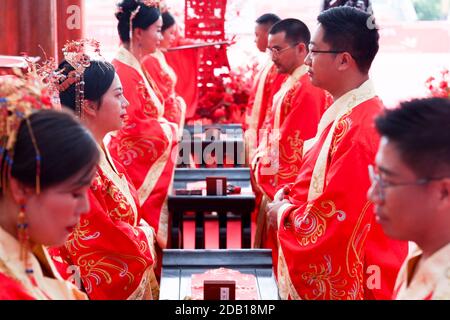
241	205
233	127
225	142
179	265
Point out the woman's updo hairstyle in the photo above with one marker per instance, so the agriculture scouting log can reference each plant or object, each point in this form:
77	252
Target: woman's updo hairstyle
136	12
168	21
98	78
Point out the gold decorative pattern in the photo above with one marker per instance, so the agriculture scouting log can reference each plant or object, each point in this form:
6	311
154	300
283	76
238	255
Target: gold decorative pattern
342	128
97	269
81	233
311	225
131	147
289	98
355	252
328	283
149	107
291	155
332	115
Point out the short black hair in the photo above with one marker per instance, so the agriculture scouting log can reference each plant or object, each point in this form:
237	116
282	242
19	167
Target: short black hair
66	148
268	19
168	21
353	31
364	5
98	78
296	31
145	17
420	129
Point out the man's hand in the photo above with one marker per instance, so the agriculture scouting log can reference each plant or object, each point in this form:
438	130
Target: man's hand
272	212
282	194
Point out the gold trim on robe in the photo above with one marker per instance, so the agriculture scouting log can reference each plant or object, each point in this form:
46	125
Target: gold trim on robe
332	115
154	173
50	286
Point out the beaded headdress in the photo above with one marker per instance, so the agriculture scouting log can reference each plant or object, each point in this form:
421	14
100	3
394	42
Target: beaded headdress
79	55
19	96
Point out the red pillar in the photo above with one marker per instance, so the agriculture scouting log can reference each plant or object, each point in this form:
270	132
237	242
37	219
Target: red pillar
9	27
37	27
70	22
27	25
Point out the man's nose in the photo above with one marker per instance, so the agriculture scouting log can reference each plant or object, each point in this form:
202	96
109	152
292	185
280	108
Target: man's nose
308	59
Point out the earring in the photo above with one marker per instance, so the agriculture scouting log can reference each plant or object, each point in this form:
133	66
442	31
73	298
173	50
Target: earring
24	239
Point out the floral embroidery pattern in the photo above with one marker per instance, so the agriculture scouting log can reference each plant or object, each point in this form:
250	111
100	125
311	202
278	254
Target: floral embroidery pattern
79	235
131	148
311	225
342	128
149	107
95	271
328	285
291	155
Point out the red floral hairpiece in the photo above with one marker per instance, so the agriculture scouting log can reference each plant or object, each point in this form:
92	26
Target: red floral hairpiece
439	87
78	54
151	3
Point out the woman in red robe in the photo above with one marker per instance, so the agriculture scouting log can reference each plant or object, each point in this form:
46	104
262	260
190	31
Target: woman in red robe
146	146
112	247
46	167
164	76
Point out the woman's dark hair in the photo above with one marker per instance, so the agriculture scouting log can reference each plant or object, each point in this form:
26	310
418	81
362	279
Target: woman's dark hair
145	17
65	146
168	21
98	78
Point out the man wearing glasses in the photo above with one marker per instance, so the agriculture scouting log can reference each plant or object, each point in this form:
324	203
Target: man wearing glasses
411	192
291	119
330	245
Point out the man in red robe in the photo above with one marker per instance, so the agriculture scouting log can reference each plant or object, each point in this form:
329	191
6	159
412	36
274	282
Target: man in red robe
267	81
292	118
330	245
412	197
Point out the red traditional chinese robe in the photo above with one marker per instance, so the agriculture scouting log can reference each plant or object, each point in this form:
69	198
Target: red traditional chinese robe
147	144
267	82
292	118
165	80
45	282
330	245
12	289
185	62
112	247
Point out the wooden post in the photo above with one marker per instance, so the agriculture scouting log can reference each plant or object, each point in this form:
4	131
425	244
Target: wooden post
9	27
70	21
37	27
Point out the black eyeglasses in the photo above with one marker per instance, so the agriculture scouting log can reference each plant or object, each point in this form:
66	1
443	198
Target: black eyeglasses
276	51
326	51
311	50
378	182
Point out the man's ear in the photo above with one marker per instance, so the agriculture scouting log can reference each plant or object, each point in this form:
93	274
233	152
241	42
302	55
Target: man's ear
302	49
19	191
444	190
345	60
